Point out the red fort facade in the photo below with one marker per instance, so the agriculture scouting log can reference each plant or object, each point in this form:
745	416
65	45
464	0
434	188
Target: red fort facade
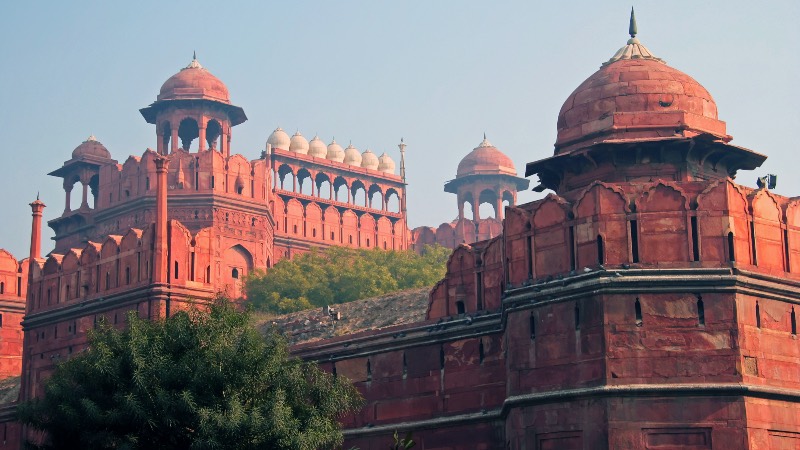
648	302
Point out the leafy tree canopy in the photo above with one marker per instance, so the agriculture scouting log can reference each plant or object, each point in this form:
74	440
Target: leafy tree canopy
197	380
341	274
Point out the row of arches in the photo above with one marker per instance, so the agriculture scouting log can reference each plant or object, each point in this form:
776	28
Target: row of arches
126	261
337	226
484	203
337	188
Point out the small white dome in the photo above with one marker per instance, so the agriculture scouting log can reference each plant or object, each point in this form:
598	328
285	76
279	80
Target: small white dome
317	148
369	160
299	144
352	156
386	164
335	152
279	139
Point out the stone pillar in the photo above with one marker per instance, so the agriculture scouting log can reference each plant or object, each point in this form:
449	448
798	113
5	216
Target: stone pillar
159	140
68	191
85	195
174	141
460	208
36	230
201	146
499	208
160	252
331	194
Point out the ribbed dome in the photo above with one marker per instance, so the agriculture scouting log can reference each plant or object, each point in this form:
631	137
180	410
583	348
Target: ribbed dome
635	95
335	152
298	144
194	82
279	139
486	159
317	148
91	147
369	160
386	163
352	156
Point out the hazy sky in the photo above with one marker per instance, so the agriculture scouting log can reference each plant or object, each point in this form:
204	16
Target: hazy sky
438	73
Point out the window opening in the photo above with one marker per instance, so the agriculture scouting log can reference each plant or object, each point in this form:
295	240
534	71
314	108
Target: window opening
460	307
787	262
701	311
601	255
731	248
753	242
577	318
532	324
695	240
369	370
571	248
758	315
635	241
637	306
235	273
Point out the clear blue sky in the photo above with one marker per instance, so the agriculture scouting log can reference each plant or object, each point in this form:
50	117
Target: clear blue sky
438	73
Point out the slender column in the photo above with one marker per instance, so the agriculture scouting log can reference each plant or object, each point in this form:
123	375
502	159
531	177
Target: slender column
174	140
228	144
476	206
36	229
160	141
499	208
160	254
202	136
85	196
68	190
331	194
460	208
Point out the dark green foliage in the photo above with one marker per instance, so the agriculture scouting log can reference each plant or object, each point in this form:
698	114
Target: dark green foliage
340	274
197	380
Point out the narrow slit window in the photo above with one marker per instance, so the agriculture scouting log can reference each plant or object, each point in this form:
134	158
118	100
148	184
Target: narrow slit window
794	322
638	310
405	366
695	240
758	315
731	248
533	326
701	311
529	254
369	370
176	270
441	357
571	248
634	241
601	253
787	262
481	354
577	318
753	243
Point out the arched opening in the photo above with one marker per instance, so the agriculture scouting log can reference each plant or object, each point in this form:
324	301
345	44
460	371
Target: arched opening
324	187
235	273
487	204
213	133
469	212
286	179
304	182
375	197
94	185
75	196
239	262
393	201
188	131
340	190
508	199
359	193
460	309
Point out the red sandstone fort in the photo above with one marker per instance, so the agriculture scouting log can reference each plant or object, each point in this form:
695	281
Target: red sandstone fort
647	302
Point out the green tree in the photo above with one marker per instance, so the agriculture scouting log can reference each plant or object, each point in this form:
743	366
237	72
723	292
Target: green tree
197	380
341	274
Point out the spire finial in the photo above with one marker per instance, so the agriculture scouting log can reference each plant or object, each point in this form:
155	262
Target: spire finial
37	195
632	27
194	55
484	135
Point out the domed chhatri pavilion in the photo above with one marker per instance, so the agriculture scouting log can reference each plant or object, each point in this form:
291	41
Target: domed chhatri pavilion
647	302
485	175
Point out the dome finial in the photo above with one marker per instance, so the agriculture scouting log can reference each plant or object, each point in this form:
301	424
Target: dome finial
632	26
194	55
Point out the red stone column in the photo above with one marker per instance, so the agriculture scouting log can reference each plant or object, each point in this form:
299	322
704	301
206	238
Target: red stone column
36	229
174	140
67	200
160	253
202	136
499	207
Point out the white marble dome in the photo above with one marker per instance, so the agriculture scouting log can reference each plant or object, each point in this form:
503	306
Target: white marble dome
335	152
369	160
279	139
317	148
299	144
352	156
386	163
